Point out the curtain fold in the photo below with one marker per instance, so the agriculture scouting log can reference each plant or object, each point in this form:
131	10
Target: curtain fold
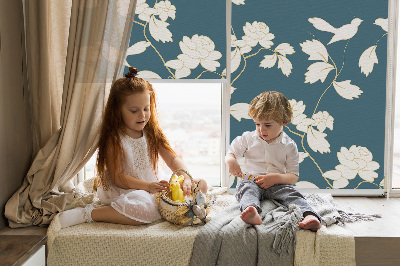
99	33
46	35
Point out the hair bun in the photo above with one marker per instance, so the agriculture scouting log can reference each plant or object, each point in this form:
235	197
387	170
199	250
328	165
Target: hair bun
132	72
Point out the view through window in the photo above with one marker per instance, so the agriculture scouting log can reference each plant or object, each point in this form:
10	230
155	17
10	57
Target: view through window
190	116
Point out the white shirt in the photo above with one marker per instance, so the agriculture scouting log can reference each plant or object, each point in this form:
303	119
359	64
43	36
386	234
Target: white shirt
280	156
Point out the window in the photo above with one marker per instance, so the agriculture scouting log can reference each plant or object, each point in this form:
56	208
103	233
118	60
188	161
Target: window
190	116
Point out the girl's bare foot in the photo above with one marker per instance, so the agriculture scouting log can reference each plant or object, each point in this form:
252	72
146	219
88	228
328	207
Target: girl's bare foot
310	222
250	216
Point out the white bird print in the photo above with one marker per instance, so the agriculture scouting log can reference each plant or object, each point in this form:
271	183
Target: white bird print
383	23
343	33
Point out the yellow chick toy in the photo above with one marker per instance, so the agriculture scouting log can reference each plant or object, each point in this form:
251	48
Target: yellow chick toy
175	187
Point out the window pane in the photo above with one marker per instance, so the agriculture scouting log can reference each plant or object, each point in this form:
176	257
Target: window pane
190	116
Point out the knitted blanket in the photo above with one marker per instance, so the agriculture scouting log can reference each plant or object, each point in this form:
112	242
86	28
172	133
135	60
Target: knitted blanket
227	240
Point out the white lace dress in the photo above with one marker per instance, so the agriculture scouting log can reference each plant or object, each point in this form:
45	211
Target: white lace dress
138	205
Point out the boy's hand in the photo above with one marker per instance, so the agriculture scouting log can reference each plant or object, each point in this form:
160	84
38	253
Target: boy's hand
154	187
266	181
234	169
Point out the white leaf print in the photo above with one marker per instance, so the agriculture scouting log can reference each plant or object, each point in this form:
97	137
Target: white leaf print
315	49
138	48
316	140
238	2
346	90
232	90
236	59
268	61
367	60
305	184
158	30
341	183
240	110
175	64
285	65
145	74
302	156
182	73
318	71
284	49
383	22
333	174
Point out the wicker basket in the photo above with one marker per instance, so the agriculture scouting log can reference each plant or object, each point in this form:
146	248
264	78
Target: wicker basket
176	212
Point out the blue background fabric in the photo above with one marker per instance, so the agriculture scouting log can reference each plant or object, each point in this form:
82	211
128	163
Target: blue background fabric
339	103
160	30
337	89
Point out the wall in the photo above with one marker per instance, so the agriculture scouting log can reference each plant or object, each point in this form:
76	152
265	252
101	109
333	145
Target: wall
15	131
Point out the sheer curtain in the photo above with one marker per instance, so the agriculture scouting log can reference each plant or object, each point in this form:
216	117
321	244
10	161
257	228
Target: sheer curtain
99	33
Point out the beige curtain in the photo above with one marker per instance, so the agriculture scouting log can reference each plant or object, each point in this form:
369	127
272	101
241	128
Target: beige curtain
99	33
46	40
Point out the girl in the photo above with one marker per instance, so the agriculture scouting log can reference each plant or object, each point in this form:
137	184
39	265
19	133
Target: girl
131	141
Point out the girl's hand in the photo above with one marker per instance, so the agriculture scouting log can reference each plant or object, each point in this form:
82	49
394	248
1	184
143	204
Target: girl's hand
157	186
187	186
266	181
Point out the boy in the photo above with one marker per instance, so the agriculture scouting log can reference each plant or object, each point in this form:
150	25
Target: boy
272	157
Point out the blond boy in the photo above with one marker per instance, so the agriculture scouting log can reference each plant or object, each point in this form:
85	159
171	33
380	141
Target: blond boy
272	157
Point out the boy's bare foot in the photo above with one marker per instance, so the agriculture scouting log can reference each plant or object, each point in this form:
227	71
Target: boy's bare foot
310	222
250	216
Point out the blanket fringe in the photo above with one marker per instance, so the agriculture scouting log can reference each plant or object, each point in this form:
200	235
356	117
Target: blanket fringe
350	217
286	233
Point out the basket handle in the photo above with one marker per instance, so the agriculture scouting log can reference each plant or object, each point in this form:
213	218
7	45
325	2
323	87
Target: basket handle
186	172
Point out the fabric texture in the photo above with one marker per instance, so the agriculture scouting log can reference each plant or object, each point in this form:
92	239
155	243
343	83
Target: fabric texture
219	242
99	33
250	194
138	205
46	38
280	156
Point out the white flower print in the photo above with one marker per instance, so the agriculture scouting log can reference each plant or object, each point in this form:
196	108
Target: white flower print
353	161
196	50
164	9
255	33
143	10
322	120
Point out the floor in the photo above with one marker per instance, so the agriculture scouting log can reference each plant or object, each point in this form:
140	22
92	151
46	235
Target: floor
377	242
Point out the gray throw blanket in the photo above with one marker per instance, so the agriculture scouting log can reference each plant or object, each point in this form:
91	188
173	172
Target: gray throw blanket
227	240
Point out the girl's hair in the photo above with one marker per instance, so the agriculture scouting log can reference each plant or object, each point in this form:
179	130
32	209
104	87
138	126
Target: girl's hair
112	126
271	105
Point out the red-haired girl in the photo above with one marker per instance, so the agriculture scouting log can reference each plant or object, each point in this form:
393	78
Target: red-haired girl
131	142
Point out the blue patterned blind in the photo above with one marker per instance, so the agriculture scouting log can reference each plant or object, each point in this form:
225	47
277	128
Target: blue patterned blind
329	59
179	39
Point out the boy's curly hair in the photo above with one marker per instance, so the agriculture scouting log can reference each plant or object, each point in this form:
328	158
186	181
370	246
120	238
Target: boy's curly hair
271	105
